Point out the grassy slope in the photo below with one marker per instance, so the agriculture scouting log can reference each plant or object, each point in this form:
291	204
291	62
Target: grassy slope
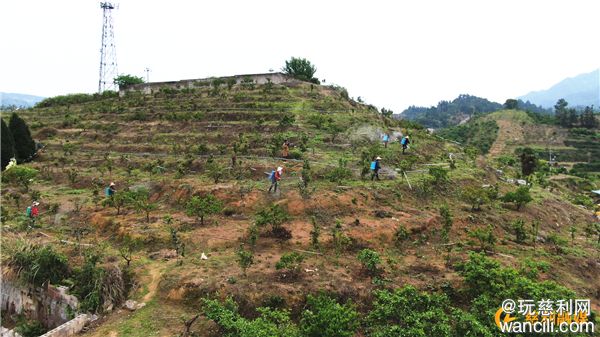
137	131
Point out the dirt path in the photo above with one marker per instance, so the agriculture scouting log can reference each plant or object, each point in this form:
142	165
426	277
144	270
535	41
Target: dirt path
509	132
155	273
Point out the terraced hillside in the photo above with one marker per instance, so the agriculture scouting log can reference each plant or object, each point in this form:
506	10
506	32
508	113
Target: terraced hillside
328	228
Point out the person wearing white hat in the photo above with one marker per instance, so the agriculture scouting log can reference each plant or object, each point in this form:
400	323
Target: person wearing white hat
405	141
275	177
375	167
33	212
111	190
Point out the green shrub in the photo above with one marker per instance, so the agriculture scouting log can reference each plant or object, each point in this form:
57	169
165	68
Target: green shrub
75	99
488	284
29	328
557	241
38	264
486	237
270	322
245	259
203	206
290	262
446	222
370	261
531	269
507	160
439	175
475	196
325	317
287	120
319	120
88	283
274	215
215	170
231	82
408	312
141	202
519	197
401	235
21	175
520	233
340	173
583	200
315	232
118	200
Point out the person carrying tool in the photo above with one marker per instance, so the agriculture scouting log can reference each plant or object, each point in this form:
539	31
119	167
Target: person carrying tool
111	190
274	177
375	167
386	139
405	142
33	212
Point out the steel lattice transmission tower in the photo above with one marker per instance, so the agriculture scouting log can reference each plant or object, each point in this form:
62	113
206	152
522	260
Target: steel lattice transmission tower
108	53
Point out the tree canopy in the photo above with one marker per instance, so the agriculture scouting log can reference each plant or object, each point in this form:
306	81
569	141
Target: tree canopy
24	144
301	69
127	79
7	145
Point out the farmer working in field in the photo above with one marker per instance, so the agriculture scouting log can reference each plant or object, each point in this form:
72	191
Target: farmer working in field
285	149
386	139
375	167
275	176
111	190
405	141
33	212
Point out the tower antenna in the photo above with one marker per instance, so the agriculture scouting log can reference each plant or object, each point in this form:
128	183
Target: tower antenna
108	53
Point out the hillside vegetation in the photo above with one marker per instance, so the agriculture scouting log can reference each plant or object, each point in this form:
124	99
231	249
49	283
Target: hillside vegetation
459	110
431	249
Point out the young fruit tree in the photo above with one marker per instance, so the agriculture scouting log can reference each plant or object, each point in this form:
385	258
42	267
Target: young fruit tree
202	206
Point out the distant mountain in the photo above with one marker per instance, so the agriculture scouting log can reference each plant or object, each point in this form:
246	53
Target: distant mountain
448	113
581	90
18	100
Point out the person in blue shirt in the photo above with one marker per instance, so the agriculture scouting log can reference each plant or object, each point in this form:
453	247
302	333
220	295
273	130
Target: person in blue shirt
405	141
375	167
111	190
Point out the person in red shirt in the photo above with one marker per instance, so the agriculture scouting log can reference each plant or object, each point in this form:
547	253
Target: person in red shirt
35	211
275	177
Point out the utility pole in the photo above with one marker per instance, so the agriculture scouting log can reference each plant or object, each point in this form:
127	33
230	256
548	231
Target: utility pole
147	70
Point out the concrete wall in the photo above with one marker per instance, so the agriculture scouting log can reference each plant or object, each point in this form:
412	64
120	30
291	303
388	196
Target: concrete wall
150	88
50	306
70	328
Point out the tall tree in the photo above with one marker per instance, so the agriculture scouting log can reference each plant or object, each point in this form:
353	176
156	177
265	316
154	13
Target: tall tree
587	118
7	145
24	144
301	69
560	111
572	117
127	80
528	161
511	104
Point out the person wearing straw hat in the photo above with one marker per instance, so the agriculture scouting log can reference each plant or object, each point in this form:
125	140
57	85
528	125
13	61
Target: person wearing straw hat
405	141
33	212
111	190
375	167
275	177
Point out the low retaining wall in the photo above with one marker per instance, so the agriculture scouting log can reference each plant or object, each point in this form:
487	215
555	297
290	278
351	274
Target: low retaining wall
70	328
152	87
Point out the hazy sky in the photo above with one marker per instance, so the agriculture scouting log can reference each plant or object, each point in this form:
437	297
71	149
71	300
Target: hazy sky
391	53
